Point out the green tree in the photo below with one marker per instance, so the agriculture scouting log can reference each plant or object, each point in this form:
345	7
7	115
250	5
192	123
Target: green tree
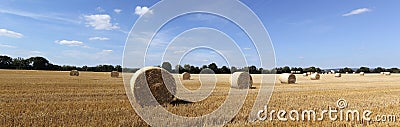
395	70
187	67
179	69
6	62
85	68
39	63
346	69
378	70
20	63
119	68
253	70
285	69
363	69
233	69
167	66
214	67
225	70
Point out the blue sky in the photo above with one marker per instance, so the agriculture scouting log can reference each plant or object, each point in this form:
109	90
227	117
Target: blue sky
326	34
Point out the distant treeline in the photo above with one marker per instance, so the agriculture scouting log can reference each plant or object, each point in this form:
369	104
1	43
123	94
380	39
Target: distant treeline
40	63
278	70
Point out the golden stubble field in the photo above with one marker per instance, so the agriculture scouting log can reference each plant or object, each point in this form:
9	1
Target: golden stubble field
48	98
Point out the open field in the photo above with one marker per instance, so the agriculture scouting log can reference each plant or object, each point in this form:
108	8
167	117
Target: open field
47	98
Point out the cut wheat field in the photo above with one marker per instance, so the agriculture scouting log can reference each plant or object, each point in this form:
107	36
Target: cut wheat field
49	98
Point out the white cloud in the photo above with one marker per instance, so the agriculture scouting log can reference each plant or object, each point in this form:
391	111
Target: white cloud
7	46
357	11
69	43
100	22
40	16
99	9
117	11
105	52
99	38
9	33
142	10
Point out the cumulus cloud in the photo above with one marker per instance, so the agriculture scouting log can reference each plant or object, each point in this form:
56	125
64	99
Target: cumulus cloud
100	22
357	11
69	43
117	11
142	10
9	33
99	38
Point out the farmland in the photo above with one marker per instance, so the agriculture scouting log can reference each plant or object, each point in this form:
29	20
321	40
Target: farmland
53	98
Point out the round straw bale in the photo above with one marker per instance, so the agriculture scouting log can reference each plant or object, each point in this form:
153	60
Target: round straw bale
315	76
114	74
287	78
305	74
74	73
347	73
382	73
153	82
338	75
387	73
186	76
241	80
362	73
354	72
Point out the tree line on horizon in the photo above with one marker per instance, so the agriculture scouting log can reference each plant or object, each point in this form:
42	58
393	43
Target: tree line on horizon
279	70
41	63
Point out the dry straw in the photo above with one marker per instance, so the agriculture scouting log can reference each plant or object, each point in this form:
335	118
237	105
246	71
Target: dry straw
315	76
74	73
186	76
241	80
152	82
114	74
287	78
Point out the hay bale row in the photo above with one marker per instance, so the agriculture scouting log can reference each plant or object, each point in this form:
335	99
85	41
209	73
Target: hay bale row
153	82
287	78
74	73
114	74
241	80
386	73
186	76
